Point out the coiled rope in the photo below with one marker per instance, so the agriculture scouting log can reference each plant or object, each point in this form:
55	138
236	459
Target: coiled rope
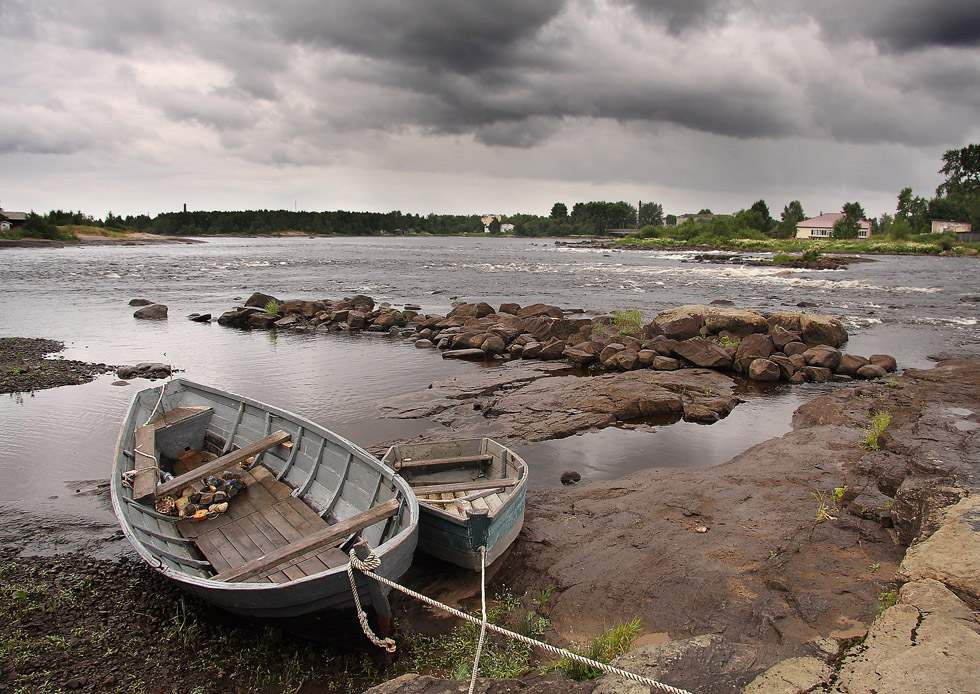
367	568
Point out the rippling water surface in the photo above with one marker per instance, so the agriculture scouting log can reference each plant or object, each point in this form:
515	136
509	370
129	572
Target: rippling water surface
56	442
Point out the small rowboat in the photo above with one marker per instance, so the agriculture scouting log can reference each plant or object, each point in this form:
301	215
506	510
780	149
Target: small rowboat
471	494
277	552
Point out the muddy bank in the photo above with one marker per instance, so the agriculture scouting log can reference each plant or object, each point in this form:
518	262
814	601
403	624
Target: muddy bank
25	366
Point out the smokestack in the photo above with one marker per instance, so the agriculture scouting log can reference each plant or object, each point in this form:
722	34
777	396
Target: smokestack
185	207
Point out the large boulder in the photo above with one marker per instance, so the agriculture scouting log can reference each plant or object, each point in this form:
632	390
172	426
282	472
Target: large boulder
535	310
750	348
260	300
477	310
544	327
679	322
764	370
885	361
952	553
822	330
151	312
703	353
823	355
850	363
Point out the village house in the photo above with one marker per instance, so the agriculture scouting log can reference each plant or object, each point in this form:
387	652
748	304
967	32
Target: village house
822	226
10	219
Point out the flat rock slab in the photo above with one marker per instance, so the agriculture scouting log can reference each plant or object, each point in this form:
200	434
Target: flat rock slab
535	403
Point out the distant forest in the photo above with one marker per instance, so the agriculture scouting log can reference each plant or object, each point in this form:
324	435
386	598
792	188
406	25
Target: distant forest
956	199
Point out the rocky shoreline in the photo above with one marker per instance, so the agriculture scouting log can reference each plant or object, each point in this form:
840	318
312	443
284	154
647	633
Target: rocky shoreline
25	366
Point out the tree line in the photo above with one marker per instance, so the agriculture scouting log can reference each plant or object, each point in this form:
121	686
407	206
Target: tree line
957	198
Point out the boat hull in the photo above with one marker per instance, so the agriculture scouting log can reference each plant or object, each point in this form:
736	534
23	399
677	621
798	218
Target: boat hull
454	537
332	476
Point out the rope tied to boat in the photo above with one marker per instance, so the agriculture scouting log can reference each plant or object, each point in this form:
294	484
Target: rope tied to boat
367	567
561	652
483	620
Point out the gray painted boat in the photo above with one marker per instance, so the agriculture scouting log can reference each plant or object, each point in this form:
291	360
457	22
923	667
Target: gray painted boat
471	493
276	554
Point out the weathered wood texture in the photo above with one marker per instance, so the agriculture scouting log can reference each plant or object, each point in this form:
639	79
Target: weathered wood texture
452	487
145	462
312	542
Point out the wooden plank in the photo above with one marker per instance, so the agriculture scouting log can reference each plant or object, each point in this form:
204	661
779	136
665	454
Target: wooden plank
316	540
238	538
222	463
443	462
221	550
494	502
480	505
279	490
211	553
465	486
145	456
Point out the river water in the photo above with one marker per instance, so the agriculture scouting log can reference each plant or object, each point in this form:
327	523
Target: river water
57	445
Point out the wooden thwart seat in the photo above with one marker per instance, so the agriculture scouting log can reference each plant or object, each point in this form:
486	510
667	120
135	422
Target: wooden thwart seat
310	543
453	487
218	465
145	463
443	462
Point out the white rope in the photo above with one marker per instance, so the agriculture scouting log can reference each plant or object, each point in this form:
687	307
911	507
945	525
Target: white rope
483	622
159	399
364	568
368	566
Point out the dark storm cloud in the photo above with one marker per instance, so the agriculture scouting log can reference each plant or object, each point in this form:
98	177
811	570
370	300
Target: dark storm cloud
463	37
915	24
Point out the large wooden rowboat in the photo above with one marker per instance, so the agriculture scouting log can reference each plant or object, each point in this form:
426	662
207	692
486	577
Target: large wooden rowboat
471	493
277	554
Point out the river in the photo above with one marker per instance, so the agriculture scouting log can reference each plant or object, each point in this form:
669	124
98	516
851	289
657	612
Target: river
57	445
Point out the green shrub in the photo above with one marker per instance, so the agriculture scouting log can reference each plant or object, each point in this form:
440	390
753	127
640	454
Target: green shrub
602	648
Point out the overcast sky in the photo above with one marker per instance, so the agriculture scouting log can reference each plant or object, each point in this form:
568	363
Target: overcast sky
476	106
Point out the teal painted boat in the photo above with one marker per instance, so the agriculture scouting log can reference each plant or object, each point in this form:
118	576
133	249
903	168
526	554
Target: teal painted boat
471	494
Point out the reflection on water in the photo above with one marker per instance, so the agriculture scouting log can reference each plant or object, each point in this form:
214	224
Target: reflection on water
52	440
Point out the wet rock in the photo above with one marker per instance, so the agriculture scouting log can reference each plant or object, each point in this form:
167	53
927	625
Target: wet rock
661	363
823	355
424	344
538	310
359	302
493	345
786	366
126	372
140	302
476	310
850	363
290	321
262	320
681	328
885	361
822	330
764	370
626	360
817	374
792	348
151	312
464	354
200	317
703	353
750	348
511	309
357	320
260	300
782	337
609	351
552	349
579	356
570	477
870	371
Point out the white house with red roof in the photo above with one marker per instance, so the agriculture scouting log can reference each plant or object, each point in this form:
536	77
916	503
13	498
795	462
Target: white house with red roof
822	226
